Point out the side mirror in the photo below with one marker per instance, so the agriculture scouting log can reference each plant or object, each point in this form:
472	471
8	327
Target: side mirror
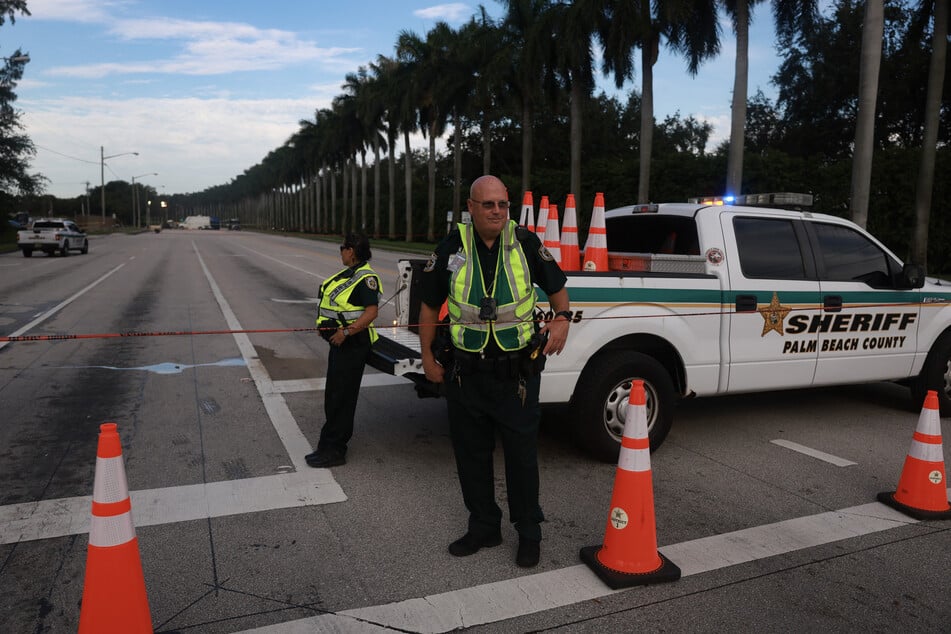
913	275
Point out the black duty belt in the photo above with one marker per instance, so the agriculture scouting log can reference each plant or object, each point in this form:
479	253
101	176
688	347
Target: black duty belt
471	362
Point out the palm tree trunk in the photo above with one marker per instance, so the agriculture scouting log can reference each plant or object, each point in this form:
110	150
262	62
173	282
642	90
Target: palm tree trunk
354	180
363	191
872	28
391	175
456	167
431	191
527	143
577	96
376	185
486	144
648	57
408	180
925	185
333	202
734	167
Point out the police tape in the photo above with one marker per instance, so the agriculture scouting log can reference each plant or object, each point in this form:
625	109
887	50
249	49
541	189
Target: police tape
546	316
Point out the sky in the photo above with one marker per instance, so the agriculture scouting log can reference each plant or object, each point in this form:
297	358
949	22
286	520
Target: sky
202	90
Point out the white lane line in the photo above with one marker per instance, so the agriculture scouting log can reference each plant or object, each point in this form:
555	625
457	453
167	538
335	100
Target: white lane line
52	311
512	598
815	453
317	385
150	507
293	439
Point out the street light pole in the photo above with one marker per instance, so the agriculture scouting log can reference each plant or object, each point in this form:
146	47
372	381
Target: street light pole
102	179
135	199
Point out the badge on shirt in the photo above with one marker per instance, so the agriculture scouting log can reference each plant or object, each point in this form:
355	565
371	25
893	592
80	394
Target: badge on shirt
371	283
430	265
458	259
545	254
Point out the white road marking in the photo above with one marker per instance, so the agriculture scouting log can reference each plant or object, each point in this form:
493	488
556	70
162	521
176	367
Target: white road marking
71	516
52	311
815	453
520	596
293	439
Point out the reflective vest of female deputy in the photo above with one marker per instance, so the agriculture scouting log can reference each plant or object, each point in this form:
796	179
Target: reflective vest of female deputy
348	304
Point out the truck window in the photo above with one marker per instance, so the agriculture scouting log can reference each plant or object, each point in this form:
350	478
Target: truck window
846	255
650	233
768	248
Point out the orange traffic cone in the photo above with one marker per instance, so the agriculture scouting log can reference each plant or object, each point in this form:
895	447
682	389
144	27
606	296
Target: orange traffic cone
542	218
922	491
552	237
528	212
596	246
570	256
114	598
629	556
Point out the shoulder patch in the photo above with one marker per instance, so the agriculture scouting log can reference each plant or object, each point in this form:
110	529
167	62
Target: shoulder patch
545	254
431	264
372	283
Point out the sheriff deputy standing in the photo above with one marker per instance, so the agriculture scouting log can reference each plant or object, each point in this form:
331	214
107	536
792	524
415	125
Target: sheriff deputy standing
347	305
487	271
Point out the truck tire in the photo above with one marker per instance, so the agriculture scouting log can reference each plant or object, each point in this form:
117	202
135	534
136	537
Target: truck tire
85	248
935	375
27	253
65	250
601	401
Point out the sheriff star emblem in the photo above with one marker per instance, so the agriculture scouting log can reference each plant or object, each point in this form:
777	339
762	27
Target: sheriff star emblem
773	316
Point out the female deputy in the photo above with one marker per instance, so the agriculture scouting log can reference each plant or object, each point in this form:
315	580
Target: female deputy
347	305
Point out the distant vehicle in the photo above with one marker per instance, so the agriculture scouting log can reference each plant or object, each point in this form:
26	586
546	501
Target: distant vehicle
196	222
214	223
51	236
20	220
234	225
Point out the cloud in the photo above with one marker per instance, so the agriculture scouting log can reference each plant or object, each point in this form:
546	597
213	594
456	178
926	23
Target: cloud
90	11
453	12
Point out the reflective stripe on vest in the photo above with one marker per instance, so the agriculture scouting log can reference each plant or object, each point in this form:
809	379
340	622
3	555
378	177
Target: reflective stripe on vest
335	298
511	288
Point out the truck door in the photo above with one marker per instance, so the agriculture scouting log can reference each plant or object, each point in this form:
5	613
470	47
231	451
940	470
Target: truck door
869	325
772	285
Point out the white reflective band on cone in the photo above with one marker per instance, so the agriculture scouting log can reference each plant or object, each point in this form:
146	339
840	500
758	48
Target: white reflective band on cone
110	484
636	460
111	531
926	451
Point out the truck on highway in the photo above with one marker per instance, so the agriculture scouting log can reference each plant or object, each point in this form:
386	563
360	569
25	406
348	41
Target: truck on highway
52	236
705	299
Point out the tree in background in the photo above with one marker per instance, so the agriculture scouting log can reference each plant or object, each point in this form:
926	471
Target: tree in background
16	148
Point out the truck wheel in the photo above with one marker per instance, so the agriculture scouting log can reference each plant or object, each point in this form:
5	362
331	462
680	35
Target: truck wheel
935	375
85	248
27	253
602	398
65	250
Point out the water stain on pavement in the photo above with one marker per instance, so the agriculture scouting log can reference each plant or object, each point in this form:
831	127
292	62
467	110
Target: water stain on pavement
291	368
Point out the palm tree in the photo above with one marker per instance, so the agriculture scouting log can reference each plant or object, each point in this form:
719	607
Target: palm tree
387	90
872	29
936	69
791	16
528	47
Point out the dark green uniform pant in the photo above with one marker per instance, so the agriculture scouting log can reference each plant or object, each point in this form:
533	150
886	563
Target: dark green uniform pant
344	373
480	407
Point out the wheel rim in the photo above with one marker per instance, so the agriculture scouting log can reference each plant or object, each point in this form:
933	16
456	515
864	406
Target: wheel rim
614	412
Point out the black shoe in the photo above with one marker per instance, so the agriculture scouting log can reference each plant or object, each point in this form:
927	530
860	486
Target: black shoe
470	543
529	551
324	458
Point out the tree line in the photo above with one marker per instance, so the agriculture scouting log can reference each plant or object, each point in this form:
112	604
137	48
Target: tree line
859	120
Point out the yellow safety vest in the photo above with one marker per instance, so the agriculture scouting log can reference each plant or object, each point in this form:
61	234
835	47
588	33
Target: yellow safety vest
512	290
335	293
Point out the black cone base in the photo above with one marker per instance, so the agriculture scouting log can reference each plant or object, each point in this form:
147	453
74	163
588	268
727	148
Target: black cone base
888	498
616	579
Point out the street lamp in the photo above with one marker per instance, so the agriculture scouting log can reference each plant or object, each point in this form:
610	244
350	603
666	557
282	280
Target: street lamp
102	179
135	199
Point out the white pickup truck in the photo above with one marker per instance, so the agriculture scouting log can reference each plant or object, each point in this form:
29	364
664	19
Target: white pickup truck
52	235
707	299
